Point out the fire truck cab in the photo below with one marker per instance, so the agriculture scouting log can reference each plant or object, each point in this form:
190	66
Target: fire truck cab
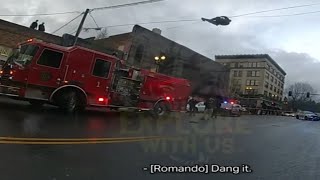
75	77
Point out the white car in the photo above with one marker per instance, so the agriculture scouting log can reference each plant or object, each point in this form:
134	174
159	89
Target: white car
199	107
307	115
290	114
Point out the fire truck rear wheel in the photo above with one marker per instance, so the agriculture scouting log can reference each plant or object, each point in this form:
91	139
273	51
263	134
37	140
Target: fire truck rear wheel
161	109
72	102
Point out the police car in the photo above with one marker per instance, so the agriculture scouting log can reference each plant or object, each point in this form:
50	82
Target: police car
231	109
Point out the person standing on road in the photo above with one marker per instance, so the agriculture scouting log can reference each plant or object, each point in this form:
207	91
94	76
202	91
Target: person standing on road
192	106
209	104
216	108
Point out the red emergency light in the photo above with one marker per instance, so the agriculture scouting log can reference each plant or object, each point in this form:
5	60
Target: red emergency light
100	99
168	98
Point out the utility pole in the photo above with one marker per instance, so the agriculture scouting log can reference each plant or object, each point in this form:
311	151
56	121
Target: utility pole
81	25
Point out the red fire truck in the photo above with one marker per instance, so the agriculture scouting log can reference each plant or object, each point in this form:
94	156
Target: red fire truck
74	78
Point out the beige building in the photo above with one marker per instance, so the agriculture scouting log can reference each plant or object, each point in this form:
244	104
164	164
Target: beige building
255	75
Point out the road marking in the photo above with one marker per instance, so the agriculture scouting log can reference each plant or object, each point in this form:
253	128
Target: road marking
68	141
76	139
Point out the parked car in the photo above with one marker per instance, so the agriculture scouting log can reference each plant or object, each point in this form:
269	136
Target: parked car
199	107
230	109
290	114
307	115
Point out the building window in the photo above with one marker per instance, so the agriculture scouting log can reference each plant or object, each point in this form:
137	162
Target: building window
252	82
266	85
248	83
275	81
254	64
139	54
251	91
50	58
249	64
271	87
267	75
232	65
281	92
253	73
271	78
275	89
268	66
279	84
101	68
235	73
270	95
265	93
278	91
249	73
240	74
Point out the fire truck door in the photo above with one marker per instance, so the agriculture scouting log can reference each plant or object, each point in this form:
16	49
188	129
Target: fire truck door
45	74
98	83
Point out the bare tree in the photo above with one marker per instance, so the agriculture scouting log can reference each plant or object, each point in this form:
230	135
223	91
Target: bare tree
103	34
299	91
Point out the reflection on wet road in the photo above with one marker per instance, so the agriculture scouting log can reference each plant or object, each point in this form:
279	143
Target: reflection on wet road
45	144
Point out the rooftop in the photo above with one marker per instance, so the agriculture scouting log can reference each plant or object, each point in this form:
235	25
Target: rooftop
250	56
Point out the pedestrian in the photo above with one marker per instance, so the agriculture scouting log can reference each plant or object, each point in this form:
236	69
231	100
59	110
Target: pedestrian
192	106
216	108
41	27
34	25
209	104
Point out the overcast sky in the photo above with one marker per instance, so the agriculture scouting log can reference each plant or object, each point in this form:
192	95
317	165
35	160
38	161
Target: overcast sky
292	41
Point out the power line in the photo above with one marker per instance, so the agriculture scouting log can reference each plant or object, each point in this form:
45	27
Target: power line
278	9
152	22
41	14
126	5
286	15
67	23
94	20
78	12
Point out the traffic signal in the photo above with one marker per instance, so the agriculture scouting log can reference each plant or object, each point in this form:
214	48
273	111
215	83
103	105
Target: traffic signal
308	95
290	93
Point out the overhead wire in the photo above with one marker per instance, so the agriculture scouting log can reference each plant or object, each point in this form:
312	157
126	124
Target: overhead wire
126	5
67	23
95	22
40	14
286	15
277	9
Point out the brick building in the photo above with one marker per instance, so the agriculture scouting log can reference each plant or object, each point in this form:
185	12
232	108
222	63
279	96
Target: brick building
11	34
141	46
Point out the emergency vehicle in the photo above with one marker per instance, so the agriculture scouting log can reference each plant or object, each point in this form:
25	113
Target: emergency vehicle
74	78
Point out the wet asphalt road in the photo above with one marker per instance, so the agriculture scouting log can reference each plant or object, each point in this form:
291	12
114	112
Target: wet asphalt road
45	144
